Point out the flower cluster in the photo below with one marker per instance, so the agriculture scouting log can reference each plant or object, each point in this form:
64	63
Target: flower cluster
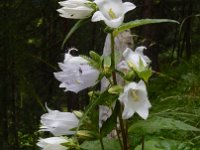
110	11
81	72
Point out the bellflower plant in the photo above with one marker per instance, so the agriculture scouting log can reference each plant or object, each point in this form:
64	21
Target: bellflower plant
124	93
112	12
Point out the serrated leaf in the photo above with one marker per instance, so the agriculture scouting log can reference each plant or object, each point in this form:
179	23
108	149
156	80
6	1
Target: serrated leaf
109	144
77	25
110	123
156	124
137	23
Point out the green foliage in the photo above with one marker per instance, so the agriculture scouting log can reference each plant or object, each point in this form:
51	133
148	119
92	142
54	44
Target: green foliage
164	144
175	109
137	23
155	124
104	99
145	75
109	144
111	122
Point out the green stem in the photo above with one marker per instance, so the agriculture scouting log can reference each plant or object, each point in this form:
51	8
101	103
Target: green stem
124	137
113	59
101	141
142	142
119	139
121	121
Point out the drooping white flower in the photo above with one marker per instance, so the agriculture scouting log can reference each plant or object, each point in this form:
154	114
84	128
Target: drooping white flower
134	59
75	9
135	99
53	143
58	123
76	74
111	12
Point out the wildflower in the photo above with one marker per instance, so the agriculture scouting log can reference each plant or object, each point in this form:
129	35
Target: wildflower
111	12
135	99
58	123
76	74
134	59
75	9
52	143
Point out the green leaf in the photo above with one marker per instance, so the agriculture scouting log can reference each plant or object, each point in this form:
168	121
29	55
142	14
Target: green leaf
104	98
92	62
109	144
149	145
95	56
110	123
77	25
145	75
96	59
137	23
164	144
156	124
116	89
106	61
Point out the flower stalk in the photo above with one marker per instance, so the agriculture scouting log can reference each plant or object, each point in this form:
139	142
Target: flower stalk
113	58
121	121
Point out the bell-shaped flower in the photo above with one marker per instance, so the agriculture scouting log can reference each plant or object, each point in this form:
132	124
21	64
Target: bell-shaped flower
58	123
76	74
111	12
53	143
135	60
76	9
135	99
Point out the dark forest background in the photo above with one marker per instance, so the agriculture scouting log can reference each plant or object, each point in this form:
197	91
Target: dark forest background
31	34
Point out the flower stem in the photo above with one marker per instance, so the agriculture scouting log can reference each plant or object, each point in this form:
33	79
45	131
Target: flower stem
118	136
121	121
101	141
113	59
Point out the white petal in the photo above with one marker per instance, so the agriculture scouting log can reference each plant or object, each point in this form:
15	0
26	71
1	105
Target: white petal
127	113
74	13
97	16
52	143
114	23
128	6
75	9
140	49
55	140
143	112
58	123
135	102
